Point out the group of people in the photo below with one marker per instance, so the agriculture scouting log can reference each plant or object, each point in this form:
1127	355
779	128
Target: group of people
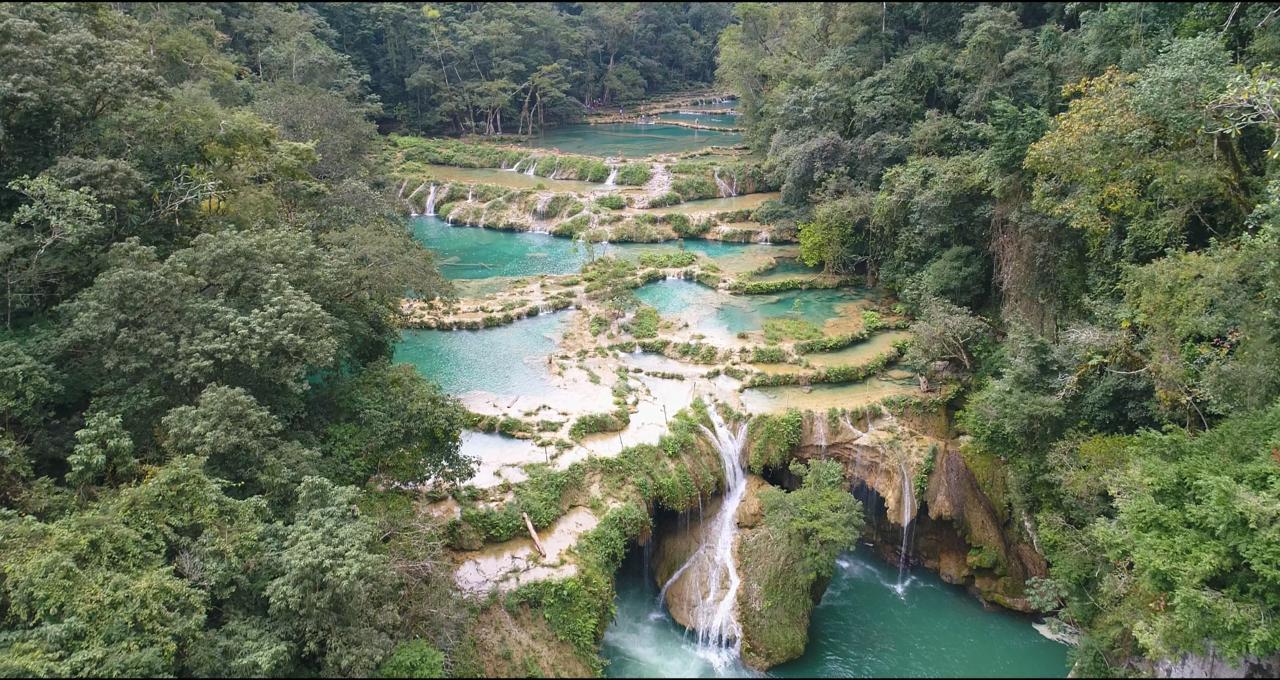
599	104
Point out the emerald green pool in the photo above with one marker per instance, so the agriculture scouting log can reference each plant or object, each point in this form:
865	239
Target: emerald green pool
630	140
862	628
717	314
507	360
474	253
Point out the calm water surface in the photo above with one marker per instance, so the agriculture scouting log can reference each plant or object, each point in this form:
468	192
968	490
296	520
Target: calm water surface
862	628
630	140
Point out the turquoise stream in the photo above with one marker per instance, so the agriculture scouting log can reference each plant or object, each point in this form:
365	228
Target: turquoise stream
630	140
862	628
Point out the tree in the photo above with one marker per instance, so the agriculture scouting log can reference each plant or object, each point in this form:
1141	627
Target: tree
240	442
332	597
392	423
46	248
837	238
944	331
103	453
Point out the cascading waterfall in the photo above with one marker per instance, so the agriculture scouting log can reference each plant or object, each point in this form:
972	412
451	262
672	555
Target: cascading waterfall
725	189
714	617
820	432
431	202
540	210
533	165
908	504
613	176
470	192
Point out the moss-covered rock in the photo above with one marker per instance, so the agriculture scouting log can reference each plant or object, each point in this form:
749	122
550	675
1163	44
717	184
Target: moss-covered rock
787	559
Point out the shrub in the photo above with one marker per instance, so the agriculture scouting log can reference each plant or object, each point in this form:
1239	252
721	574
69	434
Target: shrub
773	438
778	329
632	174
644	323
683	258
413	659
696	187
664	200
611	202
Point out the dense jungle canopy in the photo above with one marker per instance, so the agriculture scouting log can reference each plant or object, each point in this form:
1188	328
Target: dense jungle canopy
209	464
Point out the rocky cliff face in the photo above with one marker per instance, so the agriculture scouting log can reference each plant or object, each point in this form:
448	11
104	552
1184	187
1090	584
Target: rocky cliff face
907	473
956	527
678	542
1211	665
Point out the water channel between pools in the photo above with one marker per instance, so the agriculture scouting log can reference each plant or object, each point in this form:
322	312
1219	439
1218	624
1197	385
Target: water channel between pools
863	626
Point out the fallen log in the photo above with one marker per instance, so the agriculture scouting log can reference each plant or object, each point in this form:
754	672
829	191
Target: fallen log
533	534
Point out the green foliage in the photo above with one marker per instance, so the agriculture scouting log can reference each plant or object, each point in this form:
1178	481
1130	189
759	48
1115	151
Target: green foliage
1184	558
103	453
781	285
945	332
632	174
837	237
768	355
202	270
408	429
773	439
958	275
794	549
1209	326
681	258
664	200
694	188
413	659
778	329
644	323
330	594
593	423
611	202
1010	421
91	592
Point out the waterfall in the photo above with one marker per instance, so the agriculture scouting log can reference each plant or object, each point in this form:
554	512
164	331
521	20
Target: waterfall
470	192
516	167
431	202
405	183
714	619
726	190
533	165
908	503
541	209
613	176
820	431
